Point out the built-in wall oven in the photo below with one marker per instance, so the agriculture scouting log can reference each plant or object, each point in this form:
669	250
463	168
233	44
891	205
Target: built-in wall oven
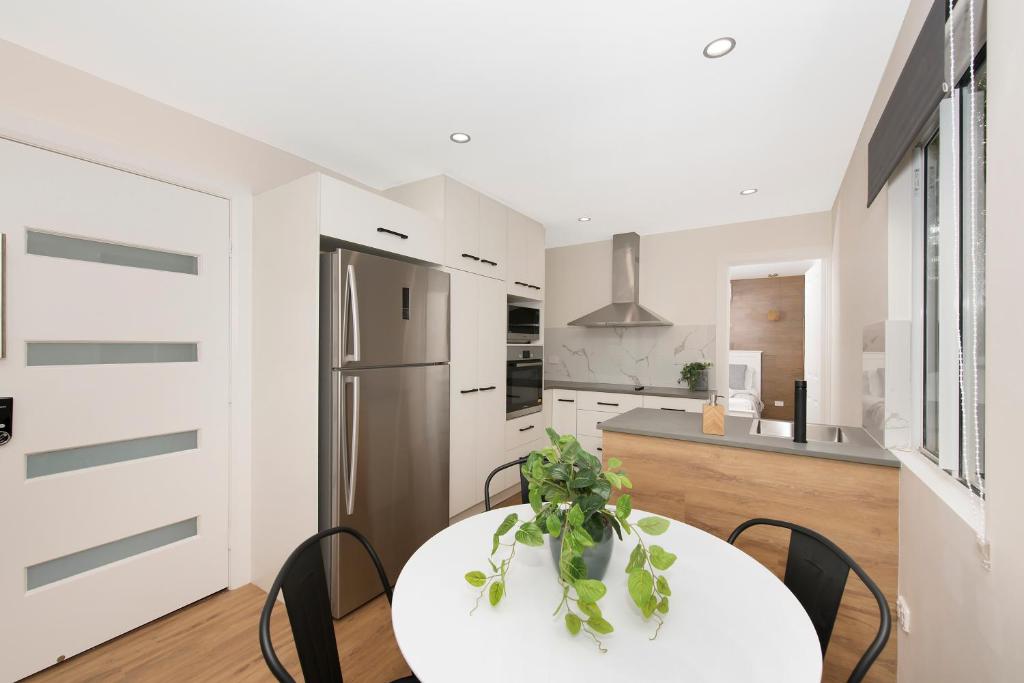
524	380
523	324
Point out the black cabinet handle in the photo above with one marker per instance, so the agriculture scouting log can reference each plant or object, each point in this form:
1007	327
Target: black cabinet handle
525	429
533	286
475	258
599	448
521	283
488	388
469	391
490	263
567	400
676	410
602	403
392	232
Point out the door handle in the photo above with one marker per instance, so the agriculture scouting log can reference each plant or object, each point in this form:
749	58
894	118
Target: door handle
488	388
351	309
350	461
392	232
468	391
527	428
602	403
475	258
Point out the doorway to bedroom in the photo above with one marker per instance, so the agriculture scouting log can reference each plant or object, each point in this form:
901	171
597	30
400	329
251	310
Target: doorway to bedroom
776	336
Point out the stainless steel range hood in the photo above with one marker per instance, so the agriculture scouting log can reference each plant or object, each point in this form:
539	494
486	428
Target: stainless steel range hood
625	309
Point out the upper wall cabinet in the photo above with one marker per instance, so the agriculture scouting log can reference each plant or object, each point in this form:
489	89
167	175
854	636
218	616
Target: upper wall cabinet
370	220
525	256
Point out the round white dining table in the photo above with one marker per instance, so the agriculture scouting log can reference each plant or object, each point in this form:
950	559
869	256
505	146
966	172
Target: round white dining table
730	619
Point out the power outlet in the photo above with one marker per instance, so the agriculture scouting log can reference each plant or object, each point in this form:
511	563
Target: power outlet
780	404
903	614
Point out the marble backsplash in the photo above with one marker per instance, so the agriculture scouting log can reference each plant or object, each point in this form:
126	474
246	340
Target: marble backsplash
626	355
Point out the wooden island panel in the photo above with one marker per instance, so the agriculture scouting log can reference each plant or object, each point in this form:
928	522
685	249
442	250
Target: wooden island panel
715	488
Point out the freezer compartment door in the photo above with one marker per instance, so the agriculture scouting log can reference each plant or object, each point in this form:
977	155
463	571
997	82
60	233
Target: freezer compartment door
388	472
386	312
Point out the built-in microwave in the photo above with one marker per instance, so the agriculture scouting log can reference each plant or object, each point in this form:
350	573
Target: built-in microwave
523	324
524	380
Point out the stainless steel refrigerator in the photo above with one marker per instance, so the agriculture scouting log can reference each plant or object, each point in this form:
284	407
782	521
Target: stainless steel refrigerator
384	353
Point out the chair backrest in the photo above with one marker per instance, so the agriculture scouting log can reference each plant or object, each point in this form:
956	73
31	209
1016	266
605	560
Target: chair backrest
303	582
816	573
524	488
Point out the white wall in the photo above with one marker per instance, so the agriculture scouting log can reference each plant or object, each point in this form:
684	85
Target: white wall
967	621
51	105
814	338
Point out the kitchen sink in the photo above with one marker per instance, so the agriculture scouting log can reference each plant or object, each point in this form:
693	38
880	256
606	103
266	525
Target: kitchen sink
782	429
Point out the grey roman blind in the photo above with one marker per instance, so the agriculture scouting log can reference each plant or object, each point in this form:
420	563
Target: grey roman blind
914	99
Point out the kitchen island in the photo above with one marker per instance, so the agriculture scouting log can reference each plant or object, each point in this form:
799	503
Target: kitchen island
847	491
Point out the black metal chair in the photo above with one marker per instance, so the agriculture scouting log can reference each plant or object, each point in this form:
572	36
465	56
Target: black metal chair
524	488
303	581
816	573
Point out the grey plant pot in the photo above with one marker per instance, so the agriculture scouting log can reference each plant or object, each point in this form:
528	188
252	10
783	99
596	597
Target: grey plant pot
596	557
701	384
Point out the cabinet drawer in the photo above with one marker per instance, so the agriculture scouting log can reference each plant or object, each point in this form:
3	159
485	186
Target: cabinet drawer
523	430
689	405
592	445
564	395
363	218
606	402
587	422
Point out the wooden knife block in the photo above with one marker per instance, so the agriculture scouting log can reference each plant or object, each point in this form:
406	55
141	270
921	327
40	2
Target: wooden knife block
713	421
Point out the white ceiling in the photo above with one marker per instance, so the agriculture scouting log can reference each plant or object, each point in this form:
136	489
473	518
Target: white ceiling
588	107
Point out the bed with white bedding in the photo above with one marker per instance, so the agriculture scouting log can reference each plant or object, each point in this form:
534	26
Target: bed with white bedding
745	383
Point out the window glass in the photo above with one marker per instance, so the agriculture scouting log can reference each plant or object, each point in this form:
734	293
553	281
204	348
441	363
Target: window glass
930	437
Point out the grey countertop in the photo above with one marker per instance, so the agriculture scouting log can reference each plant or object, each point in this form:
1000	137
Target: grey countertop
859	447
675	392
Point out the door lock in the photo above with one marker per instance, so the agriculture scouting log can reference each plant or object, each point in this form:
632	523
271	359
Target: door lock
6	420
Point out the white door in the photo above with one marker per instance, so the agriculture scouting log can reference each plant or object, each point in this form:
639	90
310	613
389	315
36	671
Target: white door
113	489
463	487
491	357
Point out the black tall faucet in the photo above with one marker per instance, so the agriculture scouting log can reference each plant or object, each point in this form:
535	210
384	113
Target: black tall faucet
800	411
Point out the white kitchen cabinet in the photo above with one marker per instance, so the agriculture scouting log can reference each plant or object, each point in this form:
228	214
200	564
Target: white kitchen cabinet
689	405
474	225
477	396
363	218
592	445
608	402
525	429
563	411
525	275
588	422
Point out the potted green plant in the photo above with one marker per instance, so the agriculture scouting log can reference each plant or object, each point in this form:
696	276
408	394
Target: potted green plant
569	497
695	375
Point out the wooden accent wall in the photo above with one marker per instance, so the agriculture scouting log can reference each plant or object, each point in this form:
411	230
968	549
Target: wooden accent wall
782	340
715	488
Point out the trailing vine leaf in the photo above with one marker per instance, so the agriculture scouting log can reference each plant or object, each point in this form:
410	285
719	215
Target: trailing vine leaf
641	585
600	625
650	605
535	499
654	526
614	479
661	558
530	534
576	515
590	590
663	586
627	483
573	623
663	606
476	579
497	590
637	558
614	463
582	538
507	524
553	525
624	506
589	608
584	479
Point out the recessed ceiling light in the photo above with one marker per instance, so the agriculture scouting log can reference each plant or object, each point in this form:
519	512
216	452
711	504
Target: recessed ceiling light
749	191
460	138
584	219
719	47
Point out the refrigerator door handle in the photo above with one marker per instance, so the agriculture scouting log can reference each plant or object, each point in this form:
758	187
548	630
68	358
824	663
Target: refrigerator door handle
352	304
339	459
351	466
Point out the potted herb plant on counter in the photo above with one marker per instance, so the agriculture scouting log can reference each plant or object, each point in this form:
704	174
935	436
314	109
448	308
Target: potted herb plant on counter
569	495
695	375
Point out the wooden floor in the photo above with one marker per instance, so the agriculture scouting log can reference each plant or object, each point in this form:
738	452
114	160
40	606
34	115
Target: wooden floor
216	640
